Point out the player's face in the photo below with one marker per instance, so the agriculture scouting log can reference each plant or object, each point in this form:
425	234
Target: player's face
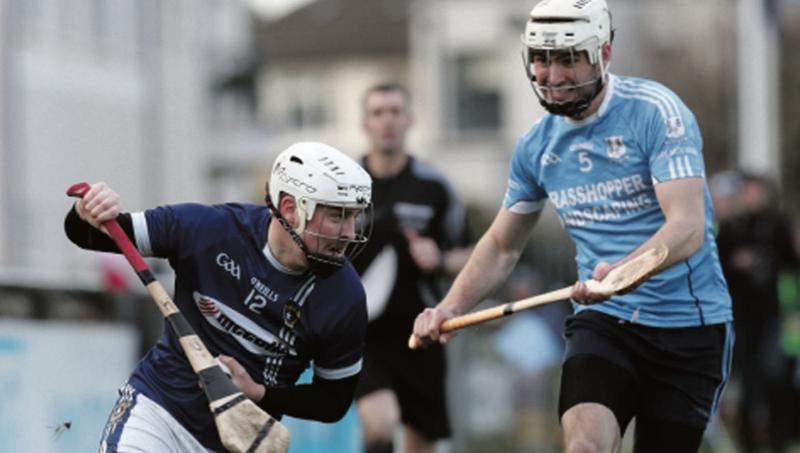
560	75
331	230
386	120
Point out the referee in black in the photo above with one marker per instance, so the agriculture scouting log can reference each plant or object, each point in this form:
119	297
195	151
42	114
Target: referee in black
419	237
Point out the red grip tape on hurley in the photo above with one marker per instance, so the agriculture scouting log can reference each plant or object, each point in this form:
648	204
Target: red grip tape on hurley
125	244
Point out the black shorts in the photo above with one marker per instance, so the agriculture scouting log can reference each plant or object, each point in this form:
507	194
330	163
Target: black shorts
417	378
676	375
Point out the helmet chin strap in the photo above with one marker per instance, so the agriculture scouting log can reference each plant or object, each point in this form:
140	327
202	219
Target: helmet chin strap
572	109
319	264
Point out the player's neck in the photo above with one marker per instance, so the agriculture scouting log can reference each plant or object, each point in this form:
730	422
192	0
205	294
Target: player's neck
384	164
284	249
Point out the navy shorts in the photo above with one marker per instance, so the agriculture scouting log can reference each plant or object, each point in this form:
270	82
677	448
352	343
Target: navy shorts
675	375
417	377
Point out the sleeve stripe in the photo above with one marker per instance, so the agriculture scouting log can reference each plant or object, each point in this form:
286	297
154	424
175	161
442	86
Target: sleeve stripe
666	104
647	99
688	166
338	373
526	207
140	233
681	170
662	96
680	167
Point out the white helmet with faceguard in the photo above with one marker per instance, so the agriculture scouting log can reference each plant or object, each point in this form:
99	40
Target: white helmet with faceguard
563	29
316	175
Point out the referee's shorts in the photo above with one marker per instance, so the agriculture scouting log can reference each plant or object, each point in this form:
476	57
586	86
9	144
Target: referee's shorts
416	376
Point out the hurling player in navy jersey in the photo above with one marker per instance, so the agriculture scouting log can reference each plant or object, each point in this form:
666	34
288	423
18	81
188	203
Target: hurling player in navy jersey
269	289
620	159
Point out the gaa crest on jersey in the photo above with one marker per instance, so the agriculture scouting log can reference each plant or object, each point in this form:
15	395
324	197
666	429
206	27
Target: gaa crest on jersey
615	147
226	262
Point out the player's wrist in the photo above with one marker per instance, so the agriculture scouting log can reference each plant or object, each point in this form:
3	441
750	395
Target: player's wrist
449	310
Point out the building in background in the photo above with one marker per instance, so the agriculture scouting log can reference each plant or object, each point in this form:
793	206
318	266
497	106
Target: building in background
127	91
137	93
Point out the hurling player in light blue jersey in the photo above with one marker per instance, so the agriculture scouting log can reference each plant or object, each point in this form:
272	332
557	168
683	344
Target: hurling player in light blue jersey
621	161
268	289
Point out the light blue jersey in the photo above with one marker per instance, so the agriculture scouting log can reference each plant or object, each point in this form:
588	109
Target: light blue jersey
600	176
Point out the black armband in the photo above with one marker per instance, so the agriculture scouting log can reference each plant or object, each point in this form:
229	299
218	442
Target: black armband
323	400
86	236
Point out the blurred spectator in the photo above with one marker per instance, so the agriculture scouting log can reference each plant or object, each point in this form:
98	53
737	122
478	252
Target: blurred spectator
725	187
755	243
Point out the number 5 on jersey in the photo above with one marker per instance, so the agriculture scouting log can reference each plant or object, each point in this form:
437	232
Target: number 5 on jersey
586	163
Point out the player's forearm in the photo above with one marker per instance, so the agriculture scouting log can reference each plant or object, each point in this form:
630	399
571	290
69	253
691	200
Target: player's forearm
488	266
491	261
683	235
683	232
683	238
84	235
323	400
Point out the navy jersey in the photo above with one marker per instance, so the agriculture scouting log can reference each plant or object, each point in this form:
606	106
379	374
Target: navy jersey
600	175
418	198
243	303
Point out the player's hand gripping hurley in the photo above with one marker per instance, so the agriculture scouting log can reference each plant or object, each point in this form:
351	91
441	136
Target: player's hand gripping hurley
243	427
619	280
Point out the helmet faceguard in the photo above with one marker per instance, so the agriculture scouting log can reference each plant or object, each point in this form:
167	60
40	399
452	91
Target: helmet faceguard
320	177
562	29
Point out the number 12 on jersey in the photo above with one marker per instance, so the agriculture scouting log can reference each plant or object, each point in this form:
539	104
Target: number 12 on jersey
255	302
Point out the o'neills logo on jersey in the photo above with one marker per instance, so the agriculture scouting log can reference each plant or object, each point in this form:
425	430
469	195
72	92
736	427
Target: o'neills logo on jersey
250	335
549	158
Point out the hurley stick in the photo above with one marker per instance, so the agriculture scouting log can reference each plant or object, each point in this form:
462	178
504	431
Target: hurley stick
621	279
243	426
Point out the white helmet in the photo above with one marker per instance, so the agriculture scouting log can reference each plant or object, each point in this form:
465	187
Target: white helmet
572	26
318	174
